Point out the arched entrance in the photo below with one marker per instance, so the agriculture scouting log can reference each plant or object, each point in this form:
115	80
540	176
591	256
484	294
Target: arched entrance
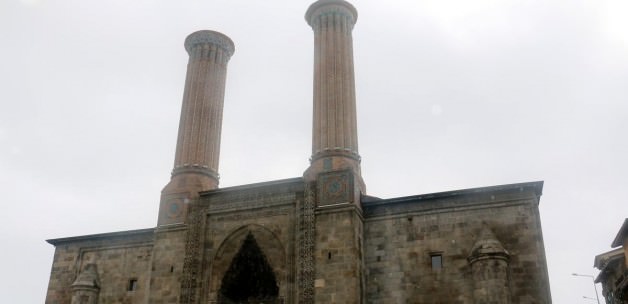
249	279
248	267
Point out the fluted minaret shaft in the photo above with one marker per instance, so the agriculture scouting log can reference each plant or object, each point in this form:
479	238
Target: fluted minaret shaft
198	142
334	133
335	165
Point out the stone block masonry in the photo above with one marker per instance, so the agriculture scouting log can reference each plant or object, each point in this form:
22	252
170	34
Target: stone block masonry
318	238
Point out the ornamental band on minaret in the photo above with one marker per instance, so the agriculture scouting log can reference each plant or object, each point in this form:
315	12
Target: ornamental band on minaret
334	132
198	142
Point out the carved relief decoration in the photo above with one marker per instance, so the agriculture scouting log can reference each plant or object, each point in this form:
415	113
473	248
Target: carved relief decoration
206	37
335	187
192	260
239	201
306	246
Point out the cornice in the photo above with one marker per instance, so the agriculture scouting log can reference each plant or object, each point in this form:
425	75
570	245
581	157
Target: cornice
202	37
330	7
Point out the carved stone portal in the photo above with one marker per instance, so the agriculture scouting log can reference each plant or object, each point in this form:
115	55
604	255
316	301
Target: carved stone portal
250	278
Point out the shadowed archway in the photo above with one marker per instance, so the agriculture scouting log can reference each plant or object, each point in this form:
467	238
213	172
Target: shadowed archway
269	246
249	279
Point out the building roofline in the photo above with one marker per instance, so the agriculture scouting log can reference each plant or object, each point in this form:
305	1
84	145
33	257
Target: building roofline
100	236
621	235
254	185
537	186
603	258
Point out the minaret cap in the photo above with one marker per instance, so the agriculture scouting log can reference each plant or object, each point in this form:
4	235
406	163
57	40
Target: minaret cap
330	6
209	37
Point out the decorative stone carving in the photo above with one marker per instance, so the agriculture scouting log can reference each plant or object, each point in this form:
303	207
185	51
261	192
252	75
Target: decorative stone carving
193	257
238	201
330	7
195	169
335	187
86	287
207	37
307	229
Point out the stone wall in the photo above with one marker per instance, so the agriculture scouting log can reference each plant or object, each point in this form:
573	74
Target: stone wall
167	264
119	257
479	245
338	255
402	235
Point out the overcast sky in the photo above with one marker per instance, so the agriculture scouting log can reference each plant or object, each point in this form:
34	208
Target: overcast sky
451	94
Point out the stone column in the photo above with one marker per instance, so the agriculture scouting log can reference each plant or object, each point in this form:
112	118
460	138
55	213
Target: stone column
489	267
198	142
334	132
86	287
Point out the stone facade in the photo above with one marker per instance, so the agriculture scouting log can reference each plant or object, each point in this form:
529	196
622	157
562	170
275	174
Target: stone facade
613	266
403	235
318	238
489	242
115	260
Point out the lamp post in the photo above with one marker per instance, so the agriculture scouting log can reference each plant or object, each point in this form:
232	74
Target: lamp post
588	298
593	280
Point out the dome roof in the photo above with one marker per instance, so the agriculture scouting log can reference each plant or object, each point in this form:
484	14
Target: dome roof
88	277
487	246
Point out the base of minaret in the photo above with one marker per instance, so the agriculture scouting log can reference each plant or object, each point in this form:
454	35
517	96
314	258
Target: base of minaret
176	195
339	229
335	162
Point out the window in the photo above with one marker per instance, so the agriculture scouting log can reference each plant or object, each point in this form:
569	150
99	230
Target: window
437	261
132	285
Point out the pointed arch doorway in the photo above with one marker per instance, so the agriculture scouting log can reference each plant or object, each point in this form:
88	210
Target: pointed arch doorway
249	279
249	267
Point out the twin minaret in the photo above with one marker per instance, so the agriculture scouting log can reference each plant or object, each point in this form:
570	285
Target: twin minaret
334	132
198	142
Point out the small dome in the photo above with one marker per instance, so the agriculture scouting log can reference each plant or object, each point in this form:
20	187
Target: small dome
88	277
487	246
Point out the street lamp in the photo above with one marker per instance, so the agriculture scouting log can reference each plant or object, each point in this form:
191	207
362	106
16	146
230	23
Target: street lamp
592	279
588	298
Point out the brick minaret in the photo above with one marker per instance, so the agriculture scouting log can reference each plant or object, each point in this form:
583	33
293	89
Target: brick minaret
334	182
334	133
198	142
